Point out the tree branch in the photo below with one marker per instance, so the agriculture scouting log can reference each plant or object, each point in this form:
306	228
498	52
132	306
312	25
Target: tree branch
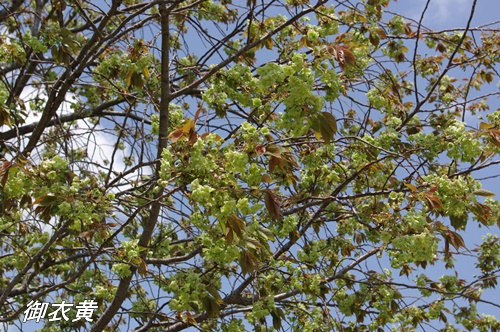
445	71
154	212
23	130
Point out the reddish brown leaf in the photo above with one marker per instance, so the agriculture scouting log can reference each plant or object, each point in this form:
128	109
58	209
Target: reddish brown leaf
495	137
197	114
273	205
482	212
217	136
433	201
46	200
456	240
229	236
408	30
193	136
248	262
260	150
237	225
440	48
275	150
175	135
273	162
4	171
381	33
87	234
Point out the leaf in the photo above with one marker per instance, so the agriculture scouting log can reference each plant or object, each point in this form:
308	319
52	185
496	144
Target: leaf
459	222
273	206
317	226
292	179
193	136
440	226
5	118
54	209
408	29
328	126
176	135
273	162
410	186
252	243
269	43
486	125
142	267
374	39
136	80
275	150
223	226
433	201
197	114
276	319
266	178
4	171
69	176
348	56
25	200
394	307
237	225
214	293
315	124
456	240
381	33
145	71
65	32
188	126
442	317
324	126
440	48
229	236
494	136
405	270
341	54
482	212
266	233
191	320
294	236
87	234
483	192
45	200
128	77
217	136
211	306
260	149
54	50
248	262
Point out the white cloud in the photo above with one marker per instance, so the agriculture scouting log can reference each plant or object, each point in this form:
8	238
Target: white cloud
447	11
439	14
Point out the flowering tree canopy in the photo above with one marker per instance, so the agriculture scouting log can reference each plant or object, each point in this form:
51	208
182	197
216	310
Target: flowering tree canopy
233	165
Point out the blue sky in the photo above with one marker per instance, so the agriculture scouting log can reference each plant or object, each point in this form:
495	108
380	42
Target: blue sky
449	14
